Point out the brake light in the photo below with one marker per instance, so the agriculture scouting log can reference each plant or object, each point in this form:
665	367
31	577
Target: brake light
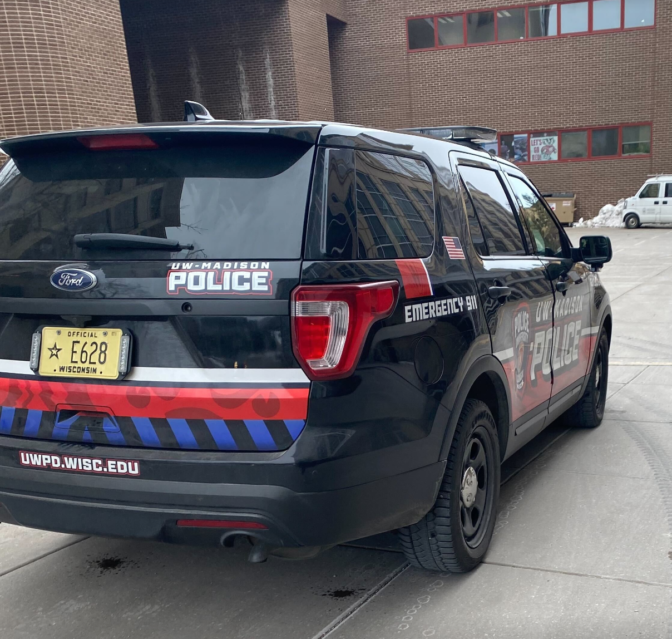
330	324
118	142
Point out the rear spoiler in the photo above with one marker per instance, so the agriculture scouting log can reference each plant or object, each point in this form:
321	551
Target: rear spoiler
158	135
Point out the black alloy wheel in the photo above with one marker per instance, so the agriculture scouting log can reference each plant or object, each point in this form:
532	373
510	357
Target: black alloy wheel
455	534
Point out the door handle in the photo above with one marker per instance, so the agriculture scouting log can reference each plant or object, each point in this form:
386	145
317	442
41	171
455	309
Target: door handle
561	286
657	202
497	292
664	201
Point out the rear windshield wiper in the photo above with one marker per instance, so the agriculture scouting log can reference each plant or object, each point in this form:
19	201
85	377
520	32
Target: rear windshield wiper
126	241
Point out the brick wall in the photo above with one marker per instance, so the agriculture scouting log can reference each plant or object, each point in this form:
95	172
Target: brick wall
243	59
62	65
540	85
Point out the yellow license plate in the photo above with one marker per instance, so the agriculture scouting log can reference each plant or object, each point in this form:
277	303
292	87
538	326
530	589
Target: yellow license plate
97	353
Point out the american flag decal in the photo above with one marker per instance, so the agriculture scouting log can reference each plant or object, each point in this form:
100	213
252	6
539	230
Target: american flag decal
454	248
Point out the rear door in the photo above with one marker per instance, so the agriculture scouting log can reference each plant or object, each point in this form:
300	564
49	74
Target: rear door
514	290
208	325
570	341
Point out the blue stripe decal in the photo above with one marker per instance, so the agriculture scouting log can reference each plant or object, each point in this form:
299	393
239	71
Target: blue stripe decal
259	433
295	427
185	438
6	419
221	434
113	432
146	431
61	429
32	423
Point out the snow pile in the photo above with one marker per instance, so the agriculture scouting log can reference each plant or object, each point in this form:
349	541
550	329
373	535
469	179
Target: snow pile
609	215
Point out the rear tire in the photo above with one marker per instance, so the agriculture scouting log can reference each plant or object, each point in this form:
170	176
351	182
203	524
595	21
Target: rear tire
588	412
455	534
631	221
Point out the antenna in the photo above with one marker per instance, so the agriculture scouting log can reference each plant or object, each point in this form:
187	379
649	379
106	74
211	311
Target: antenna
195	112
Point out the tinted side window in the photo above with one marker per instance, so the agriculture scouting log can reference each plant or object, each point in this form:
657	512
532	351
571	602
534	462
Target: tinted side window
546	237
494	211
668	190
395	206
475	230
650	190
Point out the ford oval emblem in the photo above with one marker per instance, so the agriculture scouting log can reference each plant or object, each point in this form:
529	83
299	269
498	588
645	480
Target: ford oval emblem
74	280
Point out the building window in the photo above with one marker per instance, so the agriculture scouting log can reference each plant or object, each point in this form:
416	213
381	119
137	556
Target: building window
606	15
574	17
511	24
515	24
605	142
639	13
481	27
544	147
543	21
421	33
553	146
451	31
637	140
514	147
574	144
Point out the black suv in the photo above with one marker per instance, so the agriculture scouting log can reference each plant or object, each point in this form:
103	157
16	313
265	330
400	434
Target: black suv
300	333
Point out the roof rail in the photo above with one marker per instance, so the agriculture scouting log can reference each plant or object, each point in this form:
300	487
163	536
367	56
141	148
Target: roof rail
474	134
194	112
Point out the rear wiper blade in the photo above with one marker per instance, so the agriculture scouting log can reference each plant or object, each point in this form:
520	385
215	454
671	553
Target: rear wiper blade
126	241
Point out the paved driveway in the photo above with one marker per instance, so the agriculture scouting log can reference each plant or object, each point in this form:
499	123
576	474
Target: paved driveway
582	546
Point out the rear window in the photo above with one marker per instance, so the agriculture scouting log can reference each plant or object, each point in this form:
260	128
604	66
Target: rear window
242	198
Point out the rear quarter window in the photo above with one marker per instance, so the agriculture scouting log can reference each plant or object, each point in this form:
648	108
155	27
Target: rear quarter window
395	206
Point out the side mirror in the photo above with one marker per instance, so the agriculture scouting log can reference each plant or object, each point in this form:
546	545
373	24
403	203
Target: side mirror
595	250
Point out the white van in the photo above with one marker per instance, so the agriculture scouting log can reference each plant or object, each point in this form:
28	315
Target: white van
651	205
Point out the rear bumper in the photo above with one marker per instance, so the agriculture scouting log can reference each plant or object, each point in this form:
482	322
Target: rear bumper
148	508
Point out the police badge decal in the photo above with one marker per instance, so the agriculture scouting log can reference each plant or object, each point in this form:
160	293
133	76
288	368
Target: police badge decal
521	337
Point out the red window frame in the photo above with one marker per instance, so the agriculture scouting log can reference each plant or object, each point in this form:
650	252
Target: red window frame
527	37
589	130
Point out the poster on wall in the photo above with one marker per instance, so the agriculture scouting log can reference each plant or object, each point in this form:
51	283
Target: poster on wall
544	149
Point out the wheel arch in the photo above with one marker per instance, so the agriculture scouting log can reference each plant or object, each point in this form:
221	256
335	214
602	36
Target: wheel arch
485	381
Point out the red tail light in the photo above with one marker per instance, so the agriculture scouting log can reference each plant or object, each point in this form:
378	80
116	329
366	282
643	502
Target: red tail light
330	324
118	142
219	523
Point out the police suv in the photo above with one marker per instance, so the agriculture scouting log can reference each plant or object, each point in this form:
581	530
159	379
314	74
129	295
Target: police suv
297	333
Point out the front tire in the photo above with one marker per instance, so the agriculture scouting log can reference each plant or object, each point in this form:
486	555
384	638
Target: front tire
455	534
588	412
631	221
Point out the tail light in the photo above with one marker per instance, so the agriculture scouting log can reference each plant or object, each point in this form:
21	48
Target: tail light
330	324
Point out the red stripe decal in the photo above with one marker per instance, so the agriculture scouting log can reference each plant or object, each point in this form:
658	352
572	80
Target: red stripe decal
415	278
157	401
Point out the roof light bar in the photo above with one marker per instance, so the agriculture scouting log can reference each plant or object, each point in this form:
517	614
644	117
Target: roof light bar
457	133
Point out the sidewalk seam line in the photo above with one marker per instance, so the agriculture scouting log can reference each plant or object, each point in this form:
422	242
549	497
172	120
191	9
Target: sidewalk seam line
656	584
46	554
358	605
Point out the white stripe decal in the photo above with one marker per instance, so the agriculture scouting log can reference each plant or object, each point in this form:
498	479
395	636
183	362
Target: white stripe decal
502	356
592	330
431	288
193	375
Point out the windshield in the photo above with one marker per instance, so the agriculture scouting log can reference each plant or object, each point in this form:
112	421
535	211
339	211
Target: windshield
239	200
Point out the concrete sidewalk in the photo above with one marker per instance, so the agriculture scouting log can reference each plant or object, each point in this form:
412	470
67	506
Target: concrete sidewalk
582	547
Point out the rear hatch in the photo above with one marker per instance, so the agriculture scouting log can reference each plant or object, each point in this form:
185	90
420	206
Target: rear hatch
145	278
